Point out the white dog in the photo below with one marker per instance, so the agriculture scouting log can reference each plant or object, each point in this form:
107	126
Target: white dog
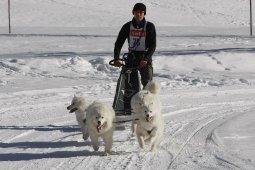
99	121
148	124
79	106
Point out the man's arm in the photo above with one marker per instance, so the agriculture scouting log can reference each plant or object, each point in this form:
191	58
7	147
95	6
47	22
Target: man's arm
123	34
151	42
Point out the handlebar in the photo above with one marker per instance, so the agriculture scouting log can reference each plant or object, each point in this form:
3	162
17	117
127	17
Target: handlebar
124	58
112	62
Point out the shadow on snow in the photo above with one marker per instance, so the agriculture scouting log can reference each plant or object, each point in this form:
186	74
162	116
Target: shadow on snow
207	51
107	53
74	128
36	144
57	154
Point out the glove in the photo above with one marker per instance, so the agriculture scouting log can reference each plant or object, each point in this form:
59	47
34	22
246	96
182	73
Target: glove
143	63
117	63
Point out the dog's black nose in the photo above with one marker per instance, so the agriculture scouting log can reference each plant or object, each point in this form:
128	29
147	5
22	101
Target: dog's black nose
147	115
67	108
99	122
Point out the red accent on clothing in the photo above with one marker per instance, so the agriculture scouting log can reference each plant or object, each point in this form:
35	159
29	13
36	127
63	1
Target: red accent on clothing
137	33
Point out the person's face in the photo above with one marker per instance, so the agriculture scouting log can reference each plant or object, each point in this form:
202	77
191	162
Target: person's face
139	15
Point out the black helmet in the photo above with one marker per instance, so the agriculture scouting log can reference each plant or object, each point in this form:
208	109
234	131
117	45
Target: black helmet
139	6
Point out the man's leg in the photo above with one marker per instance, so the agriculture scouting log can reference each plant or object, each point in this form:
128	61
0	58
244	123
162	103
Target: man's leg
146	74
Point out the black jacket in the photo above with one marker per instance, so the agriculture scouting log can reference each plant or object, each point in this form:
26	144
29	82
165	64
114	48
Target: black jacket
150	39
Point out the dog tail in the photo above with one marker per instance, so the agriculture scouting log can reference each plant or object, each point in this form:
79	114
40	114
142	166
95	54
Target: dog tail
153	87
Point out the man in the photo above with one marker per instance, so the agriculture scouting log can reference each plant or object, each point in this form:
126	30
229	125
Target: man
141	36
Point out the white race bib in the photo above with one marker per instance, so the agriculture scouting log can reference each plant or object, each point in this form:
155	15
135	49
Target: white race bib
137	38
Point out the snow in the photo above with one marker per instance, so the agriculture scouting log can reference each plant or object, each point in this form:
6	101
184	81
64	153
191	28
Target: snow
204	62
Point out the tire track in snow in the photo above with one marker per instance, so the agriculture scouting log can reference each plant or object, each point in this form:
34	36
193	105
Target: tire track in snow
211	120
192	120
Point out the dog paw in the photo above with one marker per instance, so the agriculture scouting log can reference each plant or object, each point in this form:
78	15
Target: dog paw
106	154
153	150
86	136
95	148
141	146
133	134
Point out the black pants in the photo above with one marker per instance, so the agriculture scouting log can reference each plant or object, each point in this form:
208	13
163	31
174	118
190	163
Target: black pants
132	84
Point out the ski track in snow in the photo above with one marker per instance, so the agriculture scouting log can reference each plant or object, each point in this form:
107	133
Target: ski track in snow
185	129
36	129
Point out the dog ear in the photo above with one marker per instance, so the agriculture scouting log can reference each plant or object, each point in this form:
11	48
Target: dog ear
153	87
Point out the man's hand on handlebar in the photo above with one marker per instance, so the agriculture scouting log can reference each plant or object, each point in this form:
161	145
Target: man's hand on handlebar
117	63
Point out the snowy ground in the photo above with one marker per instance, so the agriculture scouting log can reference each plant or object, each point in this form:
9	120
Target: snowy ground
207	77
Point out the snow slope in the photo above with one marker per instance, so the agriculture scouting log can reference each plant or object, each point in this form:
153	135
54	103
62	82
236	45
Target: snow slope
111	13
62	48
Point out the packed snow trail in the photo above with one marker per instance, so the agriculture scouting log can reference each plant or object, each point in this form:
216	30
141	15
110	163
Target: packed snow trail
39	132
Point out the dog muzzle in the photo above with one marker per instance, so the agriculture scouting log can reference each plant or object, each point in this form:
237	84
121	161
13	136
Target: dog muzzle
100	127
148	119
73	110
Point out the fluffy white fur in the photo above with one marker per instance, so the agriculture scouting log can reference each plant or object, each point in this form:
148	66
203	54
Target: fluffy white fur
78	106
146	108
99	120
